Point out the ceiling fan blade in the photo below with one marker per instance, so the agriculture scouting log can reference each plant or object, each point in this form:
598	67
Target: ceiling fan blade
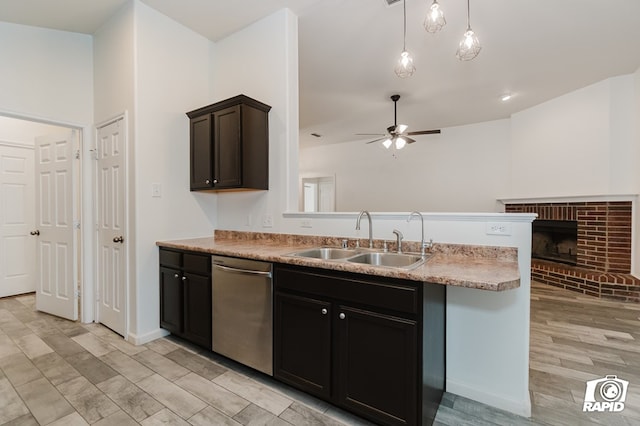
370	134
378	140
424	132
409	140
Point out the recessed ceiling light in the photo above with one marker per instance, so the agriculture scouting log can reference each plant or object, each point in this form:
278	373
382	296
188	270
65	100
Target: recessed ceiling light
505	97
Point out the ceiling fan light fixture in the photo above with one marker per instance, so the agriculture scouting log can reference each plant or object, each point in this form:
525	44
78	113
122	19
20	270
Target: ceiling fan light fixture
387	143
469	46
400	142
435	18
401	128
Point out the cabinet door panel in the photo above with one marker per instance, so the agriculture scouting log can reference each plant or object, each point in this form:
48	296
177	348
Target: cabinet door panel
228	150
171	300
303	343
201	176
377	365
197	309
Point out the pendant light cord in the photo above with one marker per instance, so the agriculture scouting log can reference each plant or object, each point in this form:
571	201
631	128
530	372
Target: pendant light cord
404	14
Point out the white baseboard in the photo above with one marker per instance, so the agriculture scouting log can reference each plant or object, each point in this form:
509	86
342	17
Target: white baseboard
519	407
147	337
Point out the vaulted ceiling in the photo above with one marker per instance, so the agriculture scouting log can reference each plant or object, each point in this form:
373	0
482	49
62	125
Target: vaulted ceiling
535	50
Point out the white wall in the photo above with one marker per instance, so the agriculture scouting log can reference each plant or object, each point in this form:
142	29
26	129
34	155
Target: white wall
155	70
171	78
261	62
23	132
46	74
576	144
463	169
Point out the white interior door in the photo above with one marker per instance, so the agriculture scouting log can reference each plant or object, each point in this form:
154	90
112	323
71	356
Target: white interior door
17	220
112	244
56	253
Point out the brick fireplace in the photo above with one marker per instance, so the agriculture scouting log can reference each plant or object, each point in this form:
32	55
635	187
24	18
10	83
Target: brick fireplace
603	259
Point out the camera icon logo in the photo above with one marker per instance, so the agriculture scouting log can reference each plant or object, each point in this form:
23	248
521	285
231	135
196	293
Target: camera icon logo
605	394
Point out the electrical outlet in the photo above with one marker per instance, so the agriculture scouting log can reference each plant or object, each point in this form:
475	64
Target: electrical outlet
267	221
305	224
498	228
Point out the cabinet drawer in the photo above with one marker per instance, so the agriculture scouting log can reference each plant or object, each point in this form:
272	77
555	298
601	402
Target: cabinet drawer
170	258
386	293
199	263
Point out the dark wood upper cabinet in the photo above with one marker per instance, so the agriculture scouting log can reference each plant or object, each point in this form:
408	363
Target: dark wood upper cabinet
229	145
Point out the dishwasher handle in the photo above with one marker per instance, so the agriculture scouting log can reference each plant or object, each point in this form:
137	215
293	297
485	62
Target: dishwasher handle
241	271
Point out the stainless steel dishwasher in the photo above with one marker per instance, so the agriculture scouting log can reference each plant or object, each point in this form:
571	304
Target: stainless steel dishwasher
242	311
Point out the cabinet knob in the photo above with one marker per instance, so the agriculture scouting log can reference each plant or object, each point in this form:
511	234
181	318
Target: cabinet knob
184	278
176	276
324	311
207	181
342	315
215	181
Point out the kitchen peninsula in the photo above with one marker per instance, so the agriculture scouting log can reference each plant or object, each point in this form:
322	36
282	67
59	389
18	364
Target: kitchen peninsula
369	339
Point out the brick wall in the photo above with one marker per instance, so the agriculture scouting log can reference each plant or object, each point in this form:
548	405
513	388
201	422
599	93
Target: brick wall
604	248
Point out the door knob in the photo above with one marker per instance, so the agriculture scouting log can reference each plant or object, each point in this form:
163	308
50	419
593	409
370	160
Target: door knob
119	239
36	232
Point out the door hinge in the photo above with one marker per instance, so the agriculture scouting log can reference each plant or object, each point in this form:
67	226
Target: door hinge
76	224
77	154
77	293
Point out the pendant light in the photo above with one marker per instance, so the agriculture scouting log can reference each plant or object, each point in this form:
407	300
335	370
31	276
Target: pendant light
469	46
435	18
405	67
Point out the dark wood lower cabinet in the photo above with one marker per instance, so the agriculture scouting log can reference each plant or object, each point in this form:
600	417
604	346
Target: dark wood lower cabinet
356	341
185	295
377	368
303	343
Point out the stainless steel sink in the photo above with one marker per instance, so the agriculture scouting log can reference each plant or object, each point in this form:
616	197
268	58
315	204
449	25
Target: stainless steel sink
326	253
390	260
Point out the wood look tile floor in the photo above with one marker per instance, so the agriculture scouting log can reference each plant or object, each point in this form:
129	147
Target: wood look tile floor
57	372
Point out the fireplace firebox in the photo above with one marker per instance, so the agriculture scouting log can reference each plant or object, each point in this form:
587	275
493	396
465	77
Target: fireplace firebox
555	240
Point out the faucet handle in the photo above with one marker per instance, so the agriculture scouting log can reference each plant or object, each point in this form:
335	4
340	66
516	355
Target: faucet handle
345	243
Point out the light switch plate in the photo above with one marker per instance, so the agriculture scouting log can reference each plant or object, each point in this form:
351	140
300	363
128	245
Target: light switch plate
156	190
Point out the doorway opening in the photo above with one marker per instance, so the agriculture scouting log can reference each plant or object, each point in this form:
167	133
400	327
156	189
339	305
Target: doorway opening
40	213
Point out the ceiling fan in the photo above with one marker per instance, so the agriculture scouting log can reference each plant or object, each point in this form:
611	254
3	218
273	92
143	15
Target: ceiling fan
397	134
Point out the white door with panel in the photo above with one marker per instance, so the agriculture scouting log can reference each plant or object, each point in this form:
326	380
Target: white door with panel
56	212
17	220
112	244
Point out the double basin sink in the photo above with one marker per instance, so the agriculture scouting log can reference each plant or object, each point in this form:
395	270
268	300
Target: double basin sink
364	256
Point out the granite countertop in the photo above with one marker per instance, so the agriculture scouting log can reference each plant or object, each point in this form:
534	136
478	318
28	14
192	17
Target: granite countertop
480	267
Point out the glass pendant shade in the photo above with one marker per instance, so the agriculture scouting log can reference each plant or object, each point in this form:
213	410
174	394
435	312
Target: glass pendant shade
386	143
405	67
469	46
400	142
435	18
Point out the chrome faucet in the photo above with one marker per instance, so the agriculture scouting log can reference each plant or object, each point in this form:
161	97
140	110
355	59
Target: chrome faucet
423	245
362	213
399	236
